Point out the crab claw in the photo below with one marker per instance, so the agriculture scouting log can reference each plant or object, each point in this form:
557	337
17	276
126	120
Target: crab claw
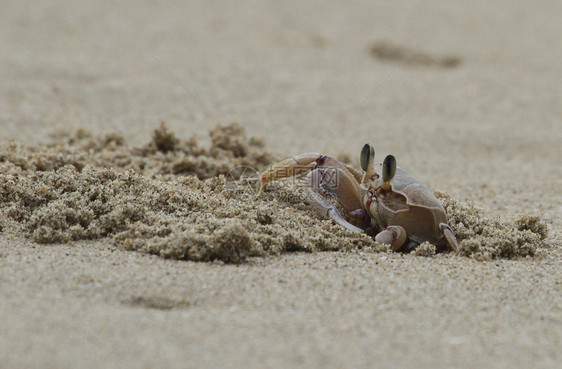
395	236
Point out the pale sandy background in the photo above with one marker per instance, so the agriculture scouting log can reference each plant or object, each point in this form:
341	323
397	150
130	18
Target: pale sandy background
488	131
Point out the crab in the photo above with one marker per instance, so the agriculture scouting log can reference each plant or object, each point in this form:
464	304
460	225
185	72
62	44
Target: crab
402	210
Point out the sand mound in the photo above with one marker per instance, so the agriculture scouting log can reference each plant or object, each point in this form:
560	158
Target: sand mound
176	199
484	238
386	51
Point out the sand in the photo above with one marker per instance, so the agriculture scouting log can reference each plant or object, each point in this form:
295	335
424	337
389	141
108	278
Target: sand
130	242
178	200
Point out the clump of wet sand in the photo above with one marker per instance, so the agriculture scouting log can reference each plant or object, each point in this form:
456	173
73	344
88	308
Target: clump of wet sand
484	238
176	199
391	52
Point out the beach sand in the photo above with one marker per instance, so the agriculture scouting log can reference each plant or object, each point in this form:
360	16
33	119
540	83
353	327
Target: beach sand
128	241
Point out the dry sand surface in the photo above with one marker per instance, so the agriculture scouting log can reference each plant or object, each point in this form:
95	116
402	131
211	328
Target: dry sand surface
126	240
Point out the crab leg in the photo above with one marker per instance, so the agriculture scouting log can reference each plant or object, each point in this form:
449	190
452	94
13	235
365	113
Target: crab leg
299	164
339	184
326	175
449	236
328	210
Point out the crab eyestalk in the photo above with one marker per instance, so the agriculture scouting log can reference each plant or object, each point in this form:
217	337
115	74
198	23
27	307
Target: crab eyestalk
367	159
388	171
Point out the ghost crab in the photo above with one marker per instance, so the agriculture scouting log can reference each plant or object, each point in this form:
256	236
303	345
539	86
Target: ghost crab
404	212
